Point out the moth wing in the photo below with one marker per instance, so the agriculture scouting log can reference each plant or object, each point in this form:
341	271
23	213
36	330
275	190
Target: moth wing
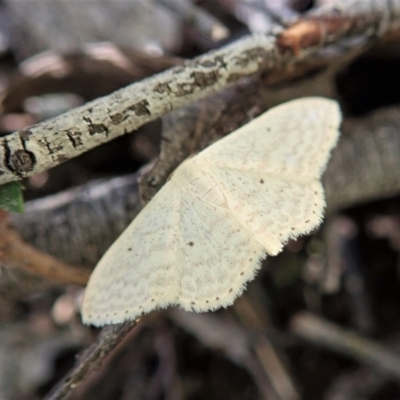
274	208
293	139
138	272
220	254
269	170
183	249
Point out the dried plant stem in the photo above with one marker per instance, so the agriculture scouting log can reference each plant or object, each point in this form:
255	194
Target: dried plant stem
326	334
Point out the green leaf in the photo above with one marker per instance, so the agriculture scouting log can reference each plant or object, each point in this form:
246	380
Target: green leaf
11	198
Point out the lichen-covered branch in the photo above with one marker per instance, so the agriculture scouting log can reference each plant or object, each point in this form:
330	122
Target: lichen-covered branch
45	145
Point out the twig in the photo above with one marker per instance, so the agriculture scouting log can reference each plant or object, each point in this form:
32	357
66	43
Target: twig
48	144
326	334
45	145
361	383
91	359
267	354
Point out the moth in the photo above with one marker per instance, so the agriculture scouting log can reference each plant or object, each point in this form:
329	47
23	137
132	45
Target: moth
203	236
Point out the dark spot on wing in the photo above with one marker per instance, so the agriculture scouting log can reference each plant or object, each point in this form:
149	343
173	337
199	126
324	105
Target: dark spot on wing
191	244
261	180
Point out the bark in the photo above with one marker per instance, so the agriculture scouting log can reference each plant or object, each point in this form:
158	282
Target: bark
75	225
365	164
78	224
45	145
91	358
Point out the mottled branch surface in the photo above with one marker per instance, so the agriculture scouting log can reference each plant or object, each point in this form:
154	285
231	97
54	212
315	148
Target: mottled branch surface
46	145
78	224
